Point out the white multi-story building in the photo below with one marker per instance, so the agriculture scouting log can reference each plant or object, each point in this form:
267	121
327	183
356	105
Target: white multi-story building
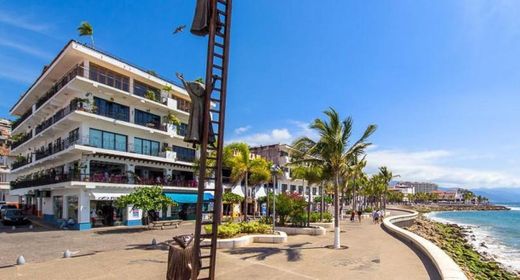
92	128
5	134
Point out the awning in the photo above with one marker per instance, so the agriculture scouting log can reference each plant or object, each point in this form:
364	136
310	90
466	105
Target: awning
187	197
104	196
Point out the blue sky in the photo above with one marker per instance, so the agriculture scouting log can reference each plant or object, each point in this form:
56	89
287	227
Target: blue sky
439	78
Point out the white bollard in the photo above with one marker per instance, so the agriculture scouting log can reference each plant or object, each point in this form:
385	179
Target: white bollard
154	242
20	260
13	227
30	226
67	254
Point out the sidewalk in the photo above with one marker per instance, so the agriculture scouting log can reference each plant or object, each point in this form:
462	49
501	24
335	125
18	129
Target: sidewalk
371	254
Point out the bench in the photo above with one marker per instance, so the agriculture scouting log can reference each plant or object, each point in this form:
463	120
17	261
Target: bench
165	223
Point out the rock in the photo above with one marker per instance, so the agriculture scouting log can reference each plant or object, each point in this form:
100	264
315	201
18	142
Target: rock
483	245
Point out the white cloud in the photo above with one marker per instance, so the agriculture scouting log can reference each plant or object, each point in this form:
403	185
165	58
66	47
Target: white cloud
23	23
274	136
24	48
434	166
303	129
242	129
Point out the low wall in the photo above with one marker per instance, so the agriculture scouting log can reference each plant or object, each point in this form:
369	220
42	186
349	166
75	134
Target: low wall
444	264
242	241
323	225
302	230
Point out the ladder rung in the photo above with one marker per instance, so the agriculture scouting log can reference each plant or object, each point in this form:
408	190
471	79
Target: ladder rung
206	223
218	55
217	66
205	257
222	2
221	12
209	189
217	77
215	122
217	89
215	99
219	45
206	235
220	34
214	111
205	267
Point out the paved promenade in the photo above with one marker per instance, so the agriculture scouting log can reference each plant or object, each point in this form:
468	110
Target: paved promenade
371	254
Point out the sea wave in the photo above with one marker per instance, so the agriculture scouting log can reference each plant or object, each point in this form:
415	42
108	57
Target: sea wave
484	241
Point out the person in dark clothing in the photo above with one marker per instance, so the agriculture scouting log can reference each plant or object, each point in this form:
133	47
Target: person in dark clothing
201	19
197	92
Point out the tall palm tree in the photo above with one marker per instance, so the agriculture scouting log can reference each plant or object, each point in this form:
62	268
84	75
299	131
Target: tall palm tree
334	151
254	170
85	29
386	176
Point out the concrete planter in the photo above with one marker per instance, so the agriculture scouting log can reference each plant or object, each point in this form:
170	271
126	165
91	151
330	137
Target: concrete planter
323	225
317	231
242	241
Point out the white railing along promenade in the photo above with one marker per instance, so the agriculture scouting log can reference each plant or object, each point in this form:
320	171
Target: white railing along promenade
444	264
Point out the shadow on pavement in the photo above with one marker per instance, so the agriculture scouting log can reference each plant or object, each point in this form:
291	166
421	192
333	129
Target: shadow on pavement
121	230
293	252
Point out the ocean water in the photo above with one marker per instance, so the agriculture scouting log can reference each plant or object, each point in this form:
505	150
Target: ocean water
498	230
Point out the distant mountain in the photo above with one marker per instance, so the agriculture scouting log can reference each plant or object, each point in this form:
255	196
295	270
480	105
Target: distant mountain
499	194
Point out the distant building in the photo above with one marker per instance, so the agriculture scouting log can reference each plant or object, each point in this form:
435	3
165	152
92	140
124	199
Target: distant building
445	195
405	190
5	135
419	187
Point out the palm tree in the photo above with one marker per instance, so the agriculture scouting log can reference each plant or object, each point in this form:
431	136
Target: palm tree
245	168
333	152
386	176
85	29
311	174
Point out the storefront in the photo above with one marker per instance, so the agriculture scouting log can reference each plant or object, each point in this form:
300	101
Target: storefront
186	205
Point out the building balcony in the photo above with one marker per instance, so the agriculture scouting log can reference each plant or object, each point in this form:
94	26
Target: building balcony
38	180
19	140
20	120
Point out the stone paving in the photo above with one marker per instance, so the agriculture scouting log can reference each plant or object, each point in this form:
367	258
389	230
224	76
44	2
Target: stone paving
371	253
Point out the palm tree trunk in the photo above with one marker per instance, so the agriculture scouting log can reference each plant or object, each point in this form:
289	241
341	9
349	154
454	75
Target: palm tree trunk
308	204
92	40
337	242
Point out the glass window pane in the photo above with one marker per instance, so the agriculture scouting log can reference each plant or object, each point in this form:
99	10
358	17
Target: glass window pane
155	148
138	145
108	141
120	142
146	147
95	138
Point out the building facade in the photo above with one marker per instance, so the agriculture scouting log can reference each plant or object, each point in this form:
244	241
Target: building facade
280	154
92	128
419	187
5	135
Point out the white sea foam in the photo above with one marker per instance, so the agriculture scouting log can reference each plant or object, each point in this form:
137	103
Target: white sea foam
479	235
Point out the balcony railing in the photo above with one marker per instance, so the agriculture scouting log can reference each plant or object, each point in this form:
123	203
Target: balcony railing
22	118
48	179
56	147
20	161
22	139
78	70
57	116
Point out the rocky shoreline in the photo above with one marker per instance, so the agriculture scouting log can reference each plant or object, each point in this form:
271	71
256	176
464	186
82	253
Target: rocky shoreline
426	208
455	241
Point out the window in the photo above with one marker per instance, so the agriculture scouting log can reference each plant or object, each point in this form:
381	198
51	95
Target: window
293	188
182	104
184	154
108	77
112	110
284	187
141	89
147	119
182	129
72	208
146	147
107	140
73	135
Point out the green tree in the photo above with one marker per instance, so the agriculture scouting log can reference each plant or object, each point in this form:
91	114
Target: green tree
244	167
85	29
334	152
386	177
310	173
146	199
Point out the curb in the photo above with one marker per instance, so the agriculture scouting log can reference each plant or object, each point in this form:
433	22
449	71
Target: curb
444	264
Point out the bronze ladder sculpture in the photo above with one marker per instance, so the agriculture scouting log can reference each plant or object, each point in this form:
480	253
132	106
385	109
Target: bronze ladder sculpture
204	264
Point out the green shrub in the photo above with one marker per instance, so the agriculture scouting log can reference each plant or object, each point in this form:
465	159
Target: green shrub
230	230
315	217
368	210
299	219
